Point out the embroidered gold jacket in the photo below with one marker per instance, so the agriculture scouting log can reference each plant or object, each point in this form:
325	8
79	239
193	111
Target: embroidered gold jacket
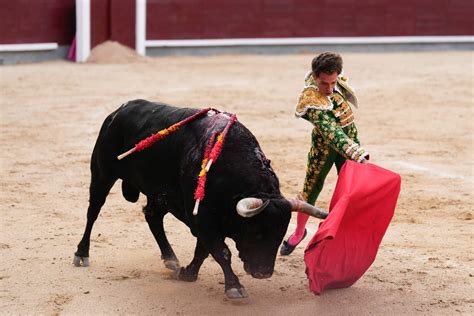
332	116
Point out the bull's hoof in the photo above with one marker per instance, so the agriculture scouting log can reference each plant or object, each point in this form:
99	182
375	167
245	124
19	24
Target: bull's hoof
172	264
183	275
77	261
236	293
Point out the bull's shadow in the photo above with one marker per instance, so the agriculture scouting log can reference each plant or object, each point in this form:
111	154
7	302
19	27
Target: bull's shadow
242	198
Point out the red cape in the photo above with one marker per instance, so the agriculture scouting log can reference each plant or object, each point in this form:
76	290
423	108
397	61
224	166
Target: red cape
346	243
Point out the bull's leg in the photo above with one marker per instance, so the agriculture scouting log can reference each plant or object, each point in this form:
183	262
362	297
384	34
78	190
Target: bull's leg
99	189
221	253
154	217
190	273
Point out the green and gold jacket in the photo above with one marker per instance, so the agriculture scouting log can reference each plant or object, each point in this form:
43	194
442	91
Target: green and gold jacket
332	116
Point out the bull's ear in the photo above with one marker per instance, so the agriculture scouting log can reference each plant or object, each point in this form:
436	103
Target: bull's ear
249	207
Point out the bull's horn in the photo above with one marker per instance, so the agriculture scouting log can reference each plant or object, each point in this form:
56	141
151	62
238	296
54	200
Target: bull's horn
249	207
303	207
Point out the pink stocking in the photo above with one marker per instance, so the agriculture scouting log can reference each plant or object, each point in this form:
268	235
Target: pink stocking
301	221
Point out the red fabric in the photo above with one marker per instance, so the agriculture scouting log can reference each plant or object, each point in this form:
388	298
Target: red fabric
346	243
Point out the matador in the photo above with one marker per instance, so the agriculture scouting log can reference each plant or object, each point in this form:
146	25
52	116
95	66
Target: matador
333	139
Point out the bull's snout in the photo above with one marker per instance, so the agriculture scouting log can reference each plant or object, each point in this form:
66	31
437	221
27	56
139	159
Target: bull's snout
259	273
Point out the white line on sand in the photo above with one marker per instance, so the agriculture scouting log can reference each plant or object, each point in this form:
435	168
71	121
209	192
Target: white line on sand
437	173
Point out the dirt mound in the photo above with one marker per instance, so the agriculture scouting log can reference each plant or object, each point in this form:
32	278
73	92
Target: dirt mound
111	52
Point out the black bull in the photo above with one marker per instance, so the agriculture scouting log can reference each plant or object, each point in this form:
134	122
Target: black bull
167	174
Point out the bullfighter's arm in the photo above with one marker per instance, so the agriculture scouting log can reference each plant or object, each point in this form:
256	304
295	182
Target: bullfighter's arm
332	132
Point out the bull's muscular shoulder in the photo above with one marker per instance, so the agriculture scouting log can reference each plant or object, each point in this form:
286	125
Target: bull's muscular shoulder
140	113
139	107
311	98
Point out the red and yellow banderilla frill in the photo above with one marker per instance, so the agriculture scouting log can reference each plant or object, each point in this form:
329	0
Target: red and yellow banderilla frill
213	149
147	142
210	156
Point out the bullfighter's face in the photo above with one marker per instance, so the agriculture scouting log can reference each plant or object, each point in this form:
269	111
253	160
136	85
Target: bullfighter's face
326	82
261	237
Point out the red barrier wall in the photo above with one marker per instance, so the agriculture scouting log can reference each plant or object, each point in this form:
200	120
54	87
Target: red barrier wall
27	21
39	21
100	21
195	19
123	22
35	21
113	20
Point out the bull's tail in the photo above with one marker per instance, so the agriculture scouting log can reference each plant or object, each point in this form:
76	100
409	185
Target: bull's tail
130	192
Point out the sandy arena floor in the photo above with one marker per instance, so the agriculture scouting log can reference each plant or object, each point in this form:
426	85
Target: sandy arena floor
415	118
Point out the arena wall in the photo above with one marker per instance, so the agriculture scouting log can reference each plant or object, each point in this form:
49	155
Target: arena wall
53	21
32	21
214	19
26	21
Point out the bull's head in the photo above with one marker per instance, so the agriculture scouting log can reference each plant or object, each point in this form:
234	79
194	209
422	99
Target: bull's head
263	230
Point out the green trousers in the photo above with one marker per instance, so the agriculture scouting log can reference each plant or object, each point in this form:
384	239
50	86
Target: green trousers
321	158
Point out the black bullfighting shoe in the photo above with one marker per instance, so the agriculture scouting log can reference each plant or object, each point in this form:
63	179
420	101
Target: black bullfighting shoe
286	249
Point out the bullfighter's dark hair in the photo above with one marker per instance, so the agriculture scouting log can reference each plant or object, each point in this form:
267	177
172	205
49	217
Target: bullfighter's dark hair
327	62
